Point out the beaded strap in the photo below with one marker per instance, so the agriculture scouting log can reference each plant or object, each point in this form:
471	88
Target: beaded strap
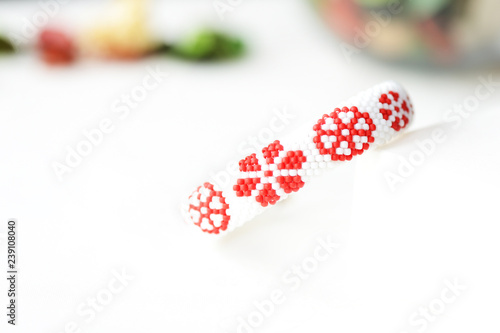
369	119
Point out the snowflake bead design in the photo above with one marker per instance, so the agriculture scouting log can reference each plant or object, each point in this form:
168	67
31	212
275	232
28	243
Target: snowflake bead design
208	209
278	175
395	110
344	133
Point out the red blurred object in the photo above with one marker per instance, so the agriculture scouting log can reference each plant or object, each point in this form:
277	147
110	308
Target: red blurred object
56	47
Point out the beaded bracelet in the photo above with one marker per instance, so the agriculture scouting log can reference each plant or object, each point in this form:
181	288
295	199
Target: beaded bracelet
369	119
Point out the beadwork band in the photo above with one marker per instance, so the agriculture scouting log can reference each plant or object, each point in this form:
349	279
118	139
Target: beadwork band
369	119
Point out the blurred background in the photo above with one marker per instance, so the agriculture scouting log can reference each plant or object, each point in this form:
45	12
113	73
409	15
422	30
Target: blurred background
113	111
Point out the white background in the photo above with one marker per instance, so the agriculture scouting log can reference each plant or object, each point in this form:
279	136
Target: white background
120	208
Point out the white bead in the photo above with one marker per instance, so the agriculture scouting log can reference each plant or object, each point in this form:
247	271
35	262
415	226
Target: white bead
292	172
345	132
217	219
344	144
347	151
328	145
284	172
205	224
339	151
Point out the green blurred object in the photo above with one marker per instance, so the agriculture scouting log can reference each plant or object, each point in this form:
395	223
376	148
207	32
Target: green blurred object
209	44
5	45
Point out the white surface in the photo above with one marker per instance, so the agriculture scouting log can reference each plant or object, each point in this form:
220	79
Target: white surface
119	208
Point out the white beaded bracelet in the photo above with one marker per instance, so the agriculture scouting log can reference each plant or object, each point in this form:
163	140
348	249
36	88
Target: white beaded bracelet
369	119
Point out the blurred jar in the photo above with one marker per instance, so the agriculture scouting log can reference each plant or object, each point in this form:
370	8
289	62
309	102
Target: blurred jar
440	32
